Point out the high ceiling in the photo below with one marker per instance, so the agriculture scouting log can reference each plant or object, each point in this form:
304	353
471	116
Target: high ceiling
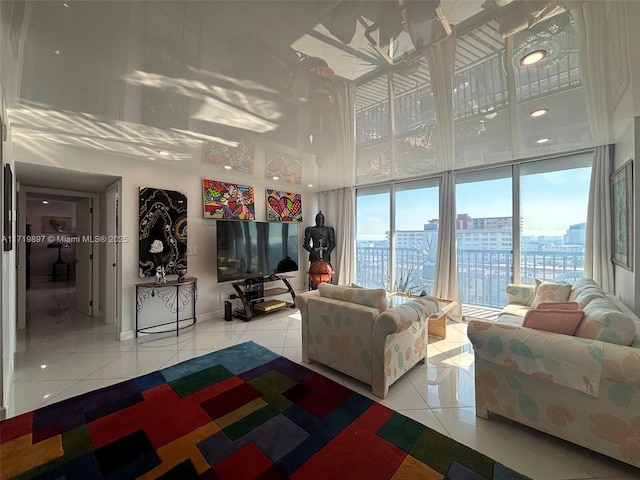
137	77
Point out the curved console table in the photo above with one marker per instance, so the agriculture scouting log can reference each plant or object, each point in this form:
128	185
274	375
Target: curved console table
175	296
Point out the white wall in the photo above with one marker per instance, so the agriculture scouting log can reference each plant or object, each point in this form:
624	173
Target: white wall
185	176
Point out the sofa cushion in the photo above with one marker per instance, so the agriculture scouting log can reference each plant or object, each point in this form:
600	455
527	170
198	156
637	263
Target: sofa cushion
557	321
558	306
520	293
551	292
604	321
370	297
513	309
580	284
586	295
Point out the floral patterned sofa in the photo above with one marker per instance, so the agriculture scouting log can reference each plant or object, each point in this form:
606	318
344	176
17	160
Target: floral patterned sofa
584	387
353	330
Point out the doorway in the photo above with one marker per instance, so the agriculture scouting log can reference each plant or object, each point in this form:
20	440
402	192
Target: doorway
59	227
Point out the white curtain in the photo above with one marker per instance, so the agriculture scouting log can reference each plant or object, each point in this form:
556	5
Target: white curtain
446	283
338	208
441	59
594	38
597	256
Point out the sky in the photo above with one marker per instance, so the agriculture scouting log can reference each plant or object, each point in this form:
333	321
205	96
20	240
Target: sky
551	202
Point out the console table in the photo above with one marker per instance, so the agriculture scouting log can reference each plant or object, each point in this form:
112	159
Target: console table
175	296
253	290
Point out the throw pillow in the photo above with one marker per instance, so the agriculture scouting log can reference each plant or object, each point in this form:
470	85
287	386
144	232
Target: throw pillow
558	306
551	292
556	321
370	297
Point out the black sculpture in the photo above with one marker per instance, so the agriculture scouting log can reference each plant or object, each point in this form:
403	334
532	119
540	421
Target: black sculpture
319	240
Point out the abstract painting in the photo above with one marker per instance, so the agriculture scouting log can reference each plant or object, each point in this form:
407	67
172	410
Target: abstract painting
228	200
240	157
163	230
622	215
284	166
56	224
284	206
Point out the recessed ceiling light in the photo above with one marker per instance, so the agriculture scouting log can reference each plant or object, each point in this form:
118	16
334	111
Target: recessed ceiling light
275	177
163	153
46	202
56	51
310	185
542	140
227	167
532	58
538	113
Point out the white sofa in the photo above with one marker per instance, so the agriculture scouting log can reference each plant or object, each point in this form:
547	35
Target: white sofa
584	388
353	330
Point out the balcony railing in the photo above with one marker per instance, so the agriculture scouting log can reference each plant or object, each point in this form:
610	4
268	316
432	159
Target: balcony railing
483	274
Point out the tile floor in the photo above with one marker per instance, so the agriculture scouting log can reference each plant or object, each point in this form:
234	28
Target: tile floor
63	353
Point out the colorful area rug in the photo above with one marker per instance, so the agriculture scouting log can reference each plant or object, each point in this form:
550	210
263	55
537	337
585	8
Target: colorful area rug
240	413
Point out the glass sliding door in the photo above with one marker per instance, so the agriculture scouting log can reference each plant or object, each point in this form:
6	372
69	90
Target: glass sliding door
415	236
554	197
373	227
484	226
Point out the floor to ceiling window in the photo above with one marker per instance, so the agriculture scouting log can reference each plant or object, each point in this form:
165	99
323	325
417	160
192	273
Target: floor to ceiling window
518	219
554	196
373	214
484	224
415	236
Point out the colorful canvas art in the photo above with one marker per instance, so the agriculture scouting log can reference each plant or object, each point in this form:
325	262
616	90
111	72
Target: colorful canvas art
240	157
284	206
284	166
228	200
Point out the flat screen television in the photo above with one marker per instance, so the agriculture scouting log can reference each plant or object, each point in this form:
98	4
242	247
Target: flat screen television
251	249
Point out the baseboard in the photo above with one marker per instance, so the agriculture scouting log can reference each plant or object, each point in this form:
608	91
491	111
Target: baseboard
201	317
127	335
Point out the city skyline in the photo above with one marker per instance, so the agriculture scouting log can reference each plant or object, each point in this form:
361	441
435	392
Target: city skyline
552	202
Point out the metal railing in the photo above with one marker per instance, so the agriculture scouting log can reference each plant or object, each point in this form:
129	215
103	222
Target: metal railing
483	274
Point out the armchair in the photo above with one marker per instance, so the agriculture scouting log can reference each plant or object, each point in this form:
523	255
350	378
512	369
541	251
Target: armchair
353	330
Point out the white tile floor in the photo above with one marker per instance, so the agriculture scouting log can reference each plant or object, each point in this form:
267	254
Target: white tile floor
63	353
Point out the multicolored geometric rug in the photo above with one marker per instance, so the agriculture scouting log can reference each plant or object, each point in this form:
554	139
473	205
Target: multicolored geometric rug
240	413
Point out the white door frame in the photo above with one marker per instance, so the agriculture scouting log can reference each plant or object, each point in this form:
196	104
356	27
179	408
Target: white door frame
113	254
95	294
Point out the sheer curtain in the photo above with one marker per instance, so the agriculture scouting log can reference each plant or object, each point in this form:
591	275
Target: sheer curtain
597	263
594	38
441	59
447	283
338	205
338	208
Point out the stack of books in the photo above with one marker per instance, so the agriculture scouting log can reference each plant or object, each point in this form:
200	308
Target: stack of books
269	305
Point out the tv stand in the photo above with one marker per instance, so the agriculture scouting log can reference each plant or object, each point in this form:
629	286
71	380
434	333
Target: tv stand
253	290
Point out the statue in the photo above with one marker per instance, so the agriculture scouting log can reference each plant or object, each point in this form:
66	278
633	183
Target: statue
319	240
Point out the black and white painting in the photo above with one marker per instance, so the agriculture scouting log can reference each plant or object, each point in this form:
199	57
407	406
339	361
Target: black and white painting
163	231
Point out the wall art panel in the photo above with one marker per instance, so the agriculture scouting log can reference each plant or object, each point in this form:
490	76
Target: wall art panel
228	200
163	230
284	206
